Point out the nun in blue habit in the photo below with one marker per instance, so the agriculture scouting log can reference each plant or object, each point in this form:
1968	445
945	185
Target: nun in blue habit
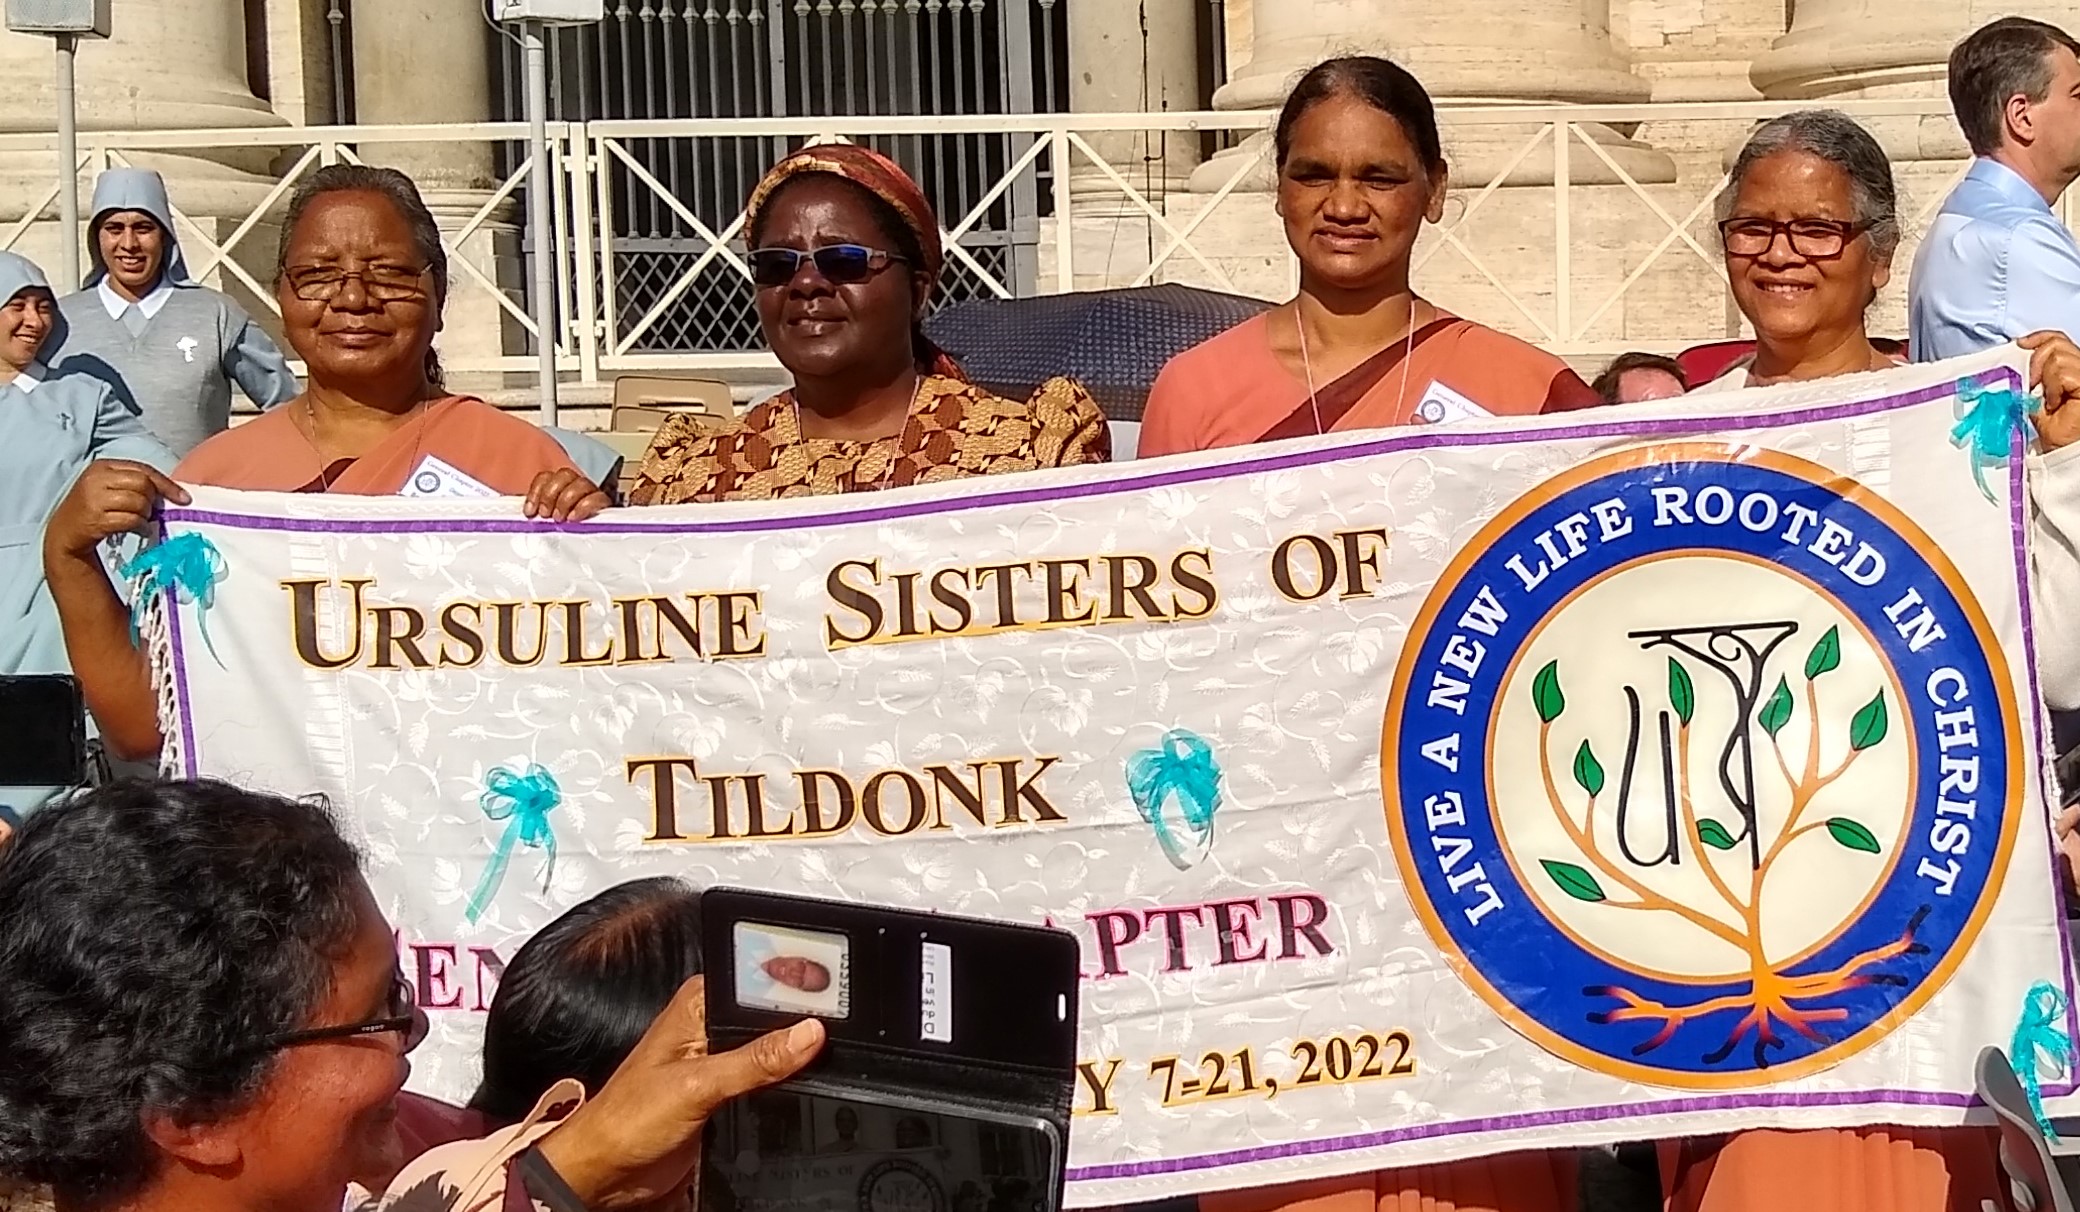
170	349
51	428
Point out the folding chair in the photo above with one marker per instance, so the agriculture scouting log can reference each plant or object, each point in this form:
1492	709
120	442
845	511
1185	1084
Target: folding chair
2031	1163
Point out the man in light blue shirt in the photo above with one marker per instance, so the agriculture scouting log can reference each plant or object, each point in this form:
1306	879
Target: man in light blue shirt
1997	264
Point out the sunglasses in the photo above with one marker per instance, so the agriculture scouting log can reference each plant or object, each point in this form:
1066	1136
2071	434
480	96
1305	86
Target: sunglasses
840	264
402	1016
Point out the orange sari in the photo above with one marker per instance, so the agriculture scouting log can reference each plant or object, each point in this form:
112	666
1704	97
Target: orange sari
1876	1169
1233	390
270	454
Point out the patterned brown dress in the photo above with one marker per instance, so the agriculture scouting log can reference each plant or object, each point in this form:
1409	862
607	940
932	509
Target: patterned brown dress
955	429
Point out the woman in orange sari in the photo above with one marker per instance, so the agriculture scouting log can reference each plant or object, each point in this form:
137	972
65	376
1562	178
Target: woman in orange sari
361	281
1360	170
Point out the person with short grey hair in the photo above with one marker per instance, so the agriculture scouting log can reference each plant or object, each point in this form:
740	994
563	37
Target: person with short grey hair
1840	140
1809	222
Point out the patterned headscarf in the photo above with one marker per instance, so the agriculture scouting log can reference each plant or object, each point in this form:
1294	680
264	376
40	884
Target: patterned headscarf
870	170
886	180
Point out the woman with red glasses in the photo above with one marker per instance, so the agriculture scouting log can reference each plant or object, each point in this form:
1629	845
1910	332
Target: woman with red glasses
204	1011
845	256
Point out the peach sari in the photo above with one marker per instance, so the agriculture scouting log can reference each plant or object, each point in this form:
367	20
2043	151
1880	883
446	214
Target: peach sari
1233	390
270	454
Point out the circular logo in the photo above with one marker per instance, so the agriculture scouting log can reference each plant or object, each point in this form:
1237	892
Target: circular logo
1702	766
900	1186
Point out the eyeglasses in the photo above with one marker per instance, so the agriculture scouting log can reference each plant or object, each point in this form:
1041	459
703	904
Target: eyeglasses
1815	238
382	283
841	264
402	1015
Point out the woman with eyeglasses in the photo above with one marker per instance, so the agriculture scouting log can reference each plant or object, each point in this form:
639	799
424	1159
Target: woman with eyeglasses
361	281
1809	222
204	1010
845	255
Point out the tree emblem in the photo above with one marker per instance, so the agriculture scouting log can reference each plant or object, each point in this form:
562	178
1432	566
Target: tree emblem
1735	854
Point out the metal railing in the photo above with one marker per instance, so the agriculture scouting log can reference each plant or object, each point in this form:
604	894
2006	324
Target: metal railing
1536	259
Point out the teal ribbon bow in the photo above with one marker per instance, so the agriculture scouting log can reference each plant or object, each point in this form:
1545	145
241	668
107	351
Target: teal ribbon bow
523	799
1180	772
1986	429
190	566
2038	1033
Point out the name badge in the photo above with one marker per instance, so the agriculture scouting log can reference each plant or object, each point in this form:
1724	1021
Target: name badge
1441	405
437	478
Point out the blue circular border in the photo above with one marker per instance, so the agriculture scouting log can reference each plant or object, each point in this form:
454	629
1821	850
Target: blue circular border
1538	969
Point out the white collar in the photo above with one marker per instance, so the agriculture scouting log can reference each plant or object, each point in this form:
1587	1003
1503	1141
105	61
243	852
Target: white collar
29	378
116	304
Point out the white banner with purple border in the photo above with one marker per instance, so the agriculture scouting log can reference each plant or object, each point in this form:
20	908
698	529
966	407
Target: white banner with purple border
1415	795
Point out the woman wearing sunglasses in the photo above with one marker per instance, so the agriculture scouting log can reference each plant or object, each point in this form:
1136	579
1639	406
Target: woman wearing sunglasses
240	1042
845	255
361	281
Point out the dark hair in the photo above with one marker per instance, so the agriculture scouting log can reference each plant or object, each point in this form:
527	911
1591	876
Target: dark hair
1995	63
150	934
908	244
1842	141
578	995
1607	384
404	195
392	184
1385	86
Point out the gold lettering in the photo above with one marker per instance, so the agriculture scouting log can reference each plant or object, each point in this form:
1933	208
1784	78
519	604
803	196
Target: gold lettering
1065	592
1199	584
469	635
507	629
405	639
736	616
303	622
871	807
945	782
850	597
664	794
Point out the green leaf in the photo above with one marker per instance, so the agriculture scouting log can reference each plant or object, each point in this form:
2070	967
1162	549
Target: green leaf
1682	694
1545	693
1714	834
1574	881
1777	712
1868	728
1852	835
1826	655
1587	770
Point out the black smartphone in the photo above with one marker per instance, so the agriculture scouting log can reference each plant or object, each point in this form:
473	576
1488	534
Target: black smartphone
946	1083
43	731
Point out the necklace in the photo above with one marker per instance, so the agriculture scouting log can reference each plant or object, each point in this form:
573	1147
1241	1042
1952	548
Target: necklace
895	457
1307	362
326	474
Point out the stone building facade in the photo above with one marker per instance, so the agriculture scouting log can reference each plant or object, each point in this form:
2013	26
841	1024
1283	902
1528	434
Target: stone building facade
181	64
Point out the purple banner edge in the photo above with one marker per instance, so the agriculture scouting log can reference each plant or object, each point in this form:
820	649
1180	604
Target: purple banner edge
1676	426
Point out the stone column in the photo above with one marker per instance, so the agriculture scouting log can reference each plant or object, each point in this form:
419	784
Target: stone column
170	64
1506	52
1843	49
1135	56
1698	50
420	61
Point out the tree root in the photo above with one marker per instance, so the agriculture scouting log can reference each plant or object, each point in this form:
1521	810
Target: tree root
1768	1002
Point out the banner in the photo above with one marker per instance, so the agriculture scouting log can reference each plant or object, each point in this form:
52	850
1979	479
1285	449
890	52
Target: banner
1415	795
